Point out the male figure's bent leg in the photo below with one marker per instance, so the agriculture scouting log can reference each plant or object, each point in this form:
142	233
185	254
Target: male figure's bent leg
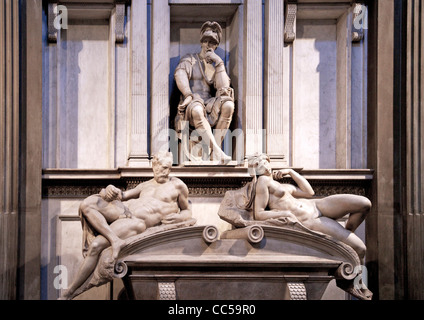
204	129
123	228
89	263
98	222
224	121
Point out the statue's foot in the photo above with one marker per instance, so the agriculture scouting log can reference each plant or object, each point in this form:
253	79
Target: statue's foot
221	157
116	248
358	290
225	159
65	295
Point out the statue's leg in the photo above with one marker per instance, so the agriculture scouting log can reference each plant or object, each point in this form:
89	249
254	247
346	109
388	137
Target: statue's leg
205	131
98	222
224	121
123	228
89	263
337	206
144	212
332	228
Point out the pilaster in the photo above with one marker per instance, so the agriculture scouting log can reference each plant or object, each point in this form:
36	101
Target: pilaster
139	115
275	112
413	209
252	73
379	226
9	146
160	75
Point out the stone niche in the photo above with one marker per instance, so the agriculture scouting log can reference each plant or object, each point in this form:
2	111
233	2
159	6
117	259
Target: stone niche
185	22
297	72
328	69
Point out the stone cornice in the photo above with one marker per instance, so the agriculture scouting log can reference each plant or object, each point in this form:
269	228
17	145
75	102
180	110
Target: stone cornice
201	181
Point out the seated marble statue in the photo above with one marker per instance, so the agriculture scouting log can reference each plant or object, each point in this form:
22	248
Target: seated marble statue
197	76
161	200
268	200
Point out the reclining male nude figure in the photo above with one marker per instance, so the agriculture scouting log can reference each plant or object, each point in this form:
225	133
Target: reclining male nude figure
275	200
161	200
101	210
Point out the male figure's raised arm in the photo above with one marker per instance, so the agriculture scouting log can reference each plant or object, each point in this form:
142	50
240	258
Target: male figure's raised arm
131	194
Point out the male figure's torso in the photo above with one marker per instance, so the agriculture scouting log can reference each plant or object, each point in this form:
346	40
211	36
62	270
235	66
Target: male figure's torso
198	84
156	200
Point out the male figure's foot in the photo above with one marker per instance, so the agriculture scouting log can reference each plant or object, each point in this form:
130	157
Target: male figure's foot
117	245
220	156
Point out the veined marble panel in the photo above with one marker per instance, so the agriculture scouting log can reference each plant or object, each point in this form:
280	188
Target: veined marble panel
83	90
315	94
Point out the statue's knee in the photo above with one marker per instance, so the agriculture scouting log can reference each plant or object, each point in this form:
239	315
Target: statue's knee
361	249
227	109
367	204
197	112
95	248
83	206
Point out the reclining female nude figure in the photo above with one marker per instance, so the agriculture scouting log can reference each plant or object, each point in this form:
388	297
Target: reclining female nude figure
275	200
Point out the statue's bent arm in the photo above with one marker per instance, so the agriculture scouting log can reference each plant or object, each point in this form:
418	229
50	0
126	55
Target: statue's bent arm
131	194
183	83
183	202
304	189
221	78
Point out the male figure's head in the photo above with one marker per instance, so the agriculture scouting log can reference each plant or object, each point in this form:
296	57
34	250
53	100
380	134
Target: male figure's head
210	36
259	164
162	163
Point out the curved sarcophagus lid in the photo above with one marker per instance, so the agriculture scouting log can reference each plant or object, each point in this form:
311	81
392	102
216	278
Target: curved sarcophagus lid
195	253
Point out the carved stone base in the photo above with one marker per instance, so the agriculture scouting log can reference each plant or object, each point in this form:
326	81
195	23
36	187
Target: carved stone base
257	262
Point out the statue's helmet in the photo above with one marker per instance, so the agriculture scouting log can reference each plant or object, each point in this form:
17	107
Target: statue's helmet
211	30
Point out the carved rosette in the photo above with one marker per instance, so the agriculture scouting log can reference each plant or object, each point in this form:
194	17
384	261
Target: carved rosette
210	234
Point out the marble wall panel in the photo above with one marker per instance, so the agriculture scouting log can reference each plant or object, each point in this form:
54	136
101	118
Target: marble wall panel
83	102
359	104
315	94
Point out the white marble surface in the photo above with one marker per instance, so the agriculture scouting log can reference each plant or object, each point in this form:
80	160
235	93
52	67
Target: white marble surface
314	101
83	90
